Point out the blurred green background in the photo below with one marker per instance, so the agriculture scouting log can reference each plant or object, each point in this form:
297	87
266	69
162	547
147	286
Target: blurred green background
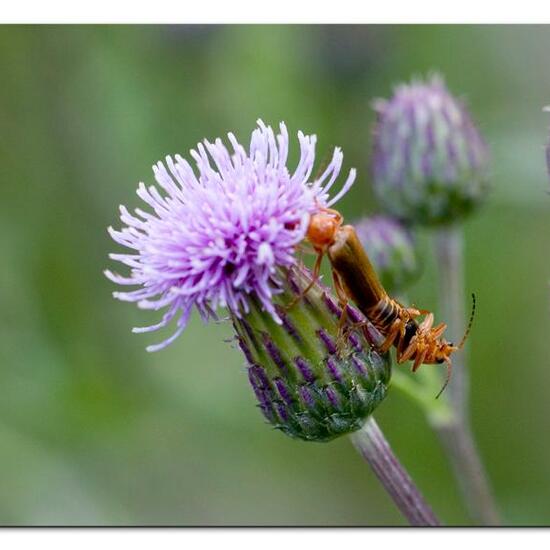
94	430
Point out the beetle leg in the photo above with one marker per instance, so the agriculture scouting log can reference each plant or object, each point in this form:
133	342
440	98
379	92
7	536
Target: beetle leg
409	351
395	330
412	312
427	323
342	332
343	300
438	331
314	277
420	356
339	289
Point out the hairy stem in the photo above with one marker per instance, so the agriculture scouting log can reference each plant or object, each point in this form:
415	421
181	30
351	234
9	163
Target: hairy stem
450	259
458	442
372	445
455	433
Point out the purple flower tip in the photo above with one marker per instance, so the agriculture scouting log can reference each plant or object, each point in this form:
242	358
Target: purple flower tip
430	164
218	234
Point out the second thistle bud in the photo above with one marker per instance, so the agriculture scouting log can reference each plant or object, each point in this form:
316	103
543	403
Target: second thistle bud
430	163
392	248
311	381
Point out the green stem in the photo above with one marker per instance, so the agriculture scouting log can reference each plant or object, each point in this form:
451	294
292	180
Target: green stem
455	432
423	389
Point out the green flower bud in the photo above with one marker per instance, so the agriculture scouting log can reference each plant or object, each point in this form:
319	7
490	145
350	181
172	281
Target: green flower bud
430	163
309	383
392	249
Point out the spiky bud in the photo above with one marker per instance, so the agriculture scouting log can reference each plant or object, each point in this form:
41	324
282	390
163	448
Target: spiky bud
311	382
392	249
430	163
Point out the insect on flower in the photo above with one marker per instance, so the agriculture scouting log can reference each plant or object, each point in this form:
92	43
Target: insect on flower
219	234
354	278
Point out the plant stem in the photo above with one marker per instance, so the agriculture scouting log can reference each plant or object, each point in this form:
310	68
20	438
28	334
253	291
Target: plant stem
372	445
458	442
455	432
450	259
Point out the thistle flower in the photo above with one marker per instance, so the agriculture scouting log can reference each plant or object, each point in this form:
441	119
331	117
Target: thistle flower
430	163
215	239
392	248
312	382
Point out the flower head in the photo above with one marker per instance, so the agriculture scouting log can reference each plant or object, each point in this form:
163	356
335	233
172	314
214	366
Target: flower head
392	248
218	235
430	163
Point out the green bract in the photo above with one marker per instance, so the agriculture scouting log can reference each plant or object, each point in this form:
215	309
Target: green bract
310	383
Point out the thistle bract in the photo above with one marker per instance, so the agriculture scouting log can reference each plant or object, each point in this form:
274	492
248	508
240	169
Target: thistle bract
309	382
430	163
392	249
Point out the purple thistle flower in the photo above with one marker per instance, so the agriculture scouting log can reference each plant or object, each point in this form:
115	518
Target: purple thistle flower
217	237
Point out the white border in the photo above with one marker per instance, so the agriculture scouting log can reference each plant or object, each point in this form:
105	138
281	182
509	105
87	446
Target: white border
276	11
267	539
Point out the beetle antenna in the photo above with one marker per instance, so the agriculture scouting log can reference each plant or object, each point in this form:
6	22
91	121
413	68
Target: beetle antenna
447	379
469	323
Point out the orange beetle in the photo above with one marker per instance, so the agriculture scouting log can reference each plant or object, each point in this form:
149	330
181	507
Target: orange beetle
355	279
